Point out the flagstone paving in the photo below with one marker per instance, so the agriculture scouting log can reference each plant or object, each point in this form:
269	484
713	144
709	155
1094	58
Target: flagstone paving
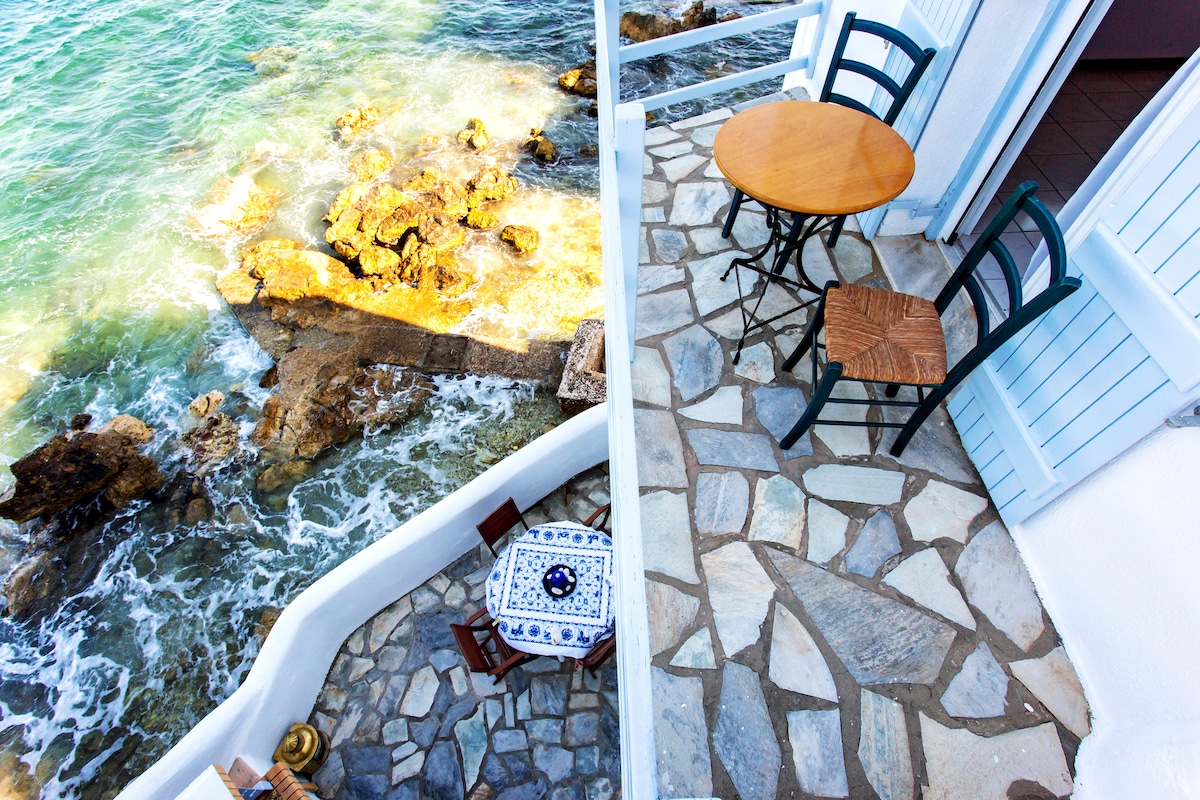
407	720
828	620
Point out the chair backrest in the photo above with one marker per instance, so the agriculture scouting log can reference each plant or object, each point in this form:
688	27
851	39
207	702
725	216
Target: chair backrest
899	91
1020	312
599	654
599	518
500	522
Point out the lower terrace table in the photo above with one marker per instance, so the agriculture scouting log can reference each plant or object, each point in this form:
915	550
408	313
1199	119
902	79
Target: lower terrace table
816	162
537	616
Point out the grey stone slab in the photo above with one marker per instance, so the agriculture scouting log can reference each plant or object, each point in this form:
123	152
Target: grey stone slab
743	738
679	168
709	240
395	731
924	578
696	360
444	659
459	681
727	325
651	381
647	164
935	447
774	97
817	264
709	290
778	512
996	582
671	612
739	592
524	706
483	685
855	484
548	694
796	663
652	277
684	767
757	363
961	766
367	759
419	697
660	135
979	688
547	731
883	747
385	622
408	768
826	532
698	203
700	120
404	751
357	668
696	652
706	136
816	738
723	408
668	245
653	214
557	763
587	760
643	247
853	258
777	409
676	148
654	192
750	230
732	449
442	778
660	450
942	511
331	774
778	301
722	500
583	727
1053	681
877	639
667	536
843	440
662	313
713	171
876	543
495	712
913	264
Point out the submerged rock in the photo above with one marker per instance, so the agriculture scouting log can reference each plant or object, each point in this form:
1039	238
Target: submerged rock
523	238
357	121
474	135
581	80
237	206
542	148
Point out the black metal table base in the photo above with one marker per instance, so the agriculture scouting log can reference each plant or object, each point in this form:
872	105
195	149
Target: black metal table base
786	238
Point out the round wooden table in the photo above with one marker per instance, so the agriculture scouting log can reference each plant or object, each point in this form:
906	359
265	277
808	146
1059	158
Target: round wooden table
816	161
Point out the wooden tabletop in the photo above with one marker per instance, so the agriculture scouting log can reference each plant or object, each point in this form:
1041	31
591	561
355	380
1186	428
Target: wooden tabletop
814	158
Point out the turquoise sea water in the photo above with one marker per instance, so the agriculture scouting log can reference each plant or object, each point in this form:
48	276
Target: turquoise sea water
116	119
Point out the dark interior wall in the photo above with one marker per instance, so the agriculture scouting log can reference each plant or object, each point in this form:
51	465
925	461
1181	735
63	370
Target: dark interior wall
1139	29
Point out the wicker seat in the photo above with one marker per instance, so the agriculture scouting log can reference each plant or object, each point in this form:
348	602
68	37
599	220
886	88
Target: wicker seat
884	337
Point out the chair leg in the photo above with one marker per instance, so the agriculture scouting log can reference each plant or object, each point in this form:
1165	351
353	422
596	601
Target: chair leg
821	393
810	335
836	231
919	415
892	390
733	210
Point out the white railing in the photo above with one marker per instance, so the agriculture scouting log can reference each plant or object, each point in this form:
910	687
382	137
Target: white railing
286	677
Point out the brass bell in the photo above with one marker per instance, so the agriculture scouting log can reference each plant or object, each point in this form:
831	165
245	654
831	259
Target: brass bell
303	749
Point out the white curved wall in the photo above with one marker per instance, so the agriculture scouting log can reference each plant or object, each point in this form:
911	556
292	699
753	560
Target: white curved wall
289	672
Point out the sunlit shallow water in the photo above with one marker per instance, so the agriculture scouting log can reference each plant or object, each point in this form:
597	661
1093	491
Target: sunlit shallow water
116	119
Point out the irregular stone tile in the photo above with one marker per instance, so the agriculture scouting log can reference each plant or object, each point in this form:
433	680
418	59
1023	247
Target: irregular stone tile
696	652
524	708
778	512
471	734
854	258
698	203
547	731
355	643
660	450
654	192
723	408
653	277
743	737
700	120
679	168
385	622
732	449
876	543
582	728
667	536
404	751
780	302
587	760
509	716
408	768
706	136
979	688
331	774
739	592
1052	680
521	767
750	230
357	668
869	485
647	164
709	290
722	499
395	731
653	214
962	766
727	325
419	697
816	738
556	762
662	313
878	640
660	135
483	685
757	363
684	768
817	265
826	532
442	779
935	447
713	171
796	663
997	584
673	149
643	247
883	747
651	381
924	578
777	409
669	245
548	694
708	240
367	759
671	613
842	440
942	510
696	361
443	660
495	712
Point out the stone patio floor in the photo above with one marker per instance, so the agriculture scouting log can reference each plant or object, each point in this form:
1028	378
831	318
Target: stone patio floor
407	720
828	620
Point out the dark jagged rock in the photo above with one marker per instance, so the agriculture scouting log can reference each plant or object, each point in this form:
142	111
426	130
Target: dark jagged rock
581	80
542	148
212	443
644	27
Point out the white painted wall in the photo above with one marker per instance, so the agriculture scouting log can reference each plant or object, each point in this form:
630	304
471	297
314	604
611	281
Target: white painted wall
1117	564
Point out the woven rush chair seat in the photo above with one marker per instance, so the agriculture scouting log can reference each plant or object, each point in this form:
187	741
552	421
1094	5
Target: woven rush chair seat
883	336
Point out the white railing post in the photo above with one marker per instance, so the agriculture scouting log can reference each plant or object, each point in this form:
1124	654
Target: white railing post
630	147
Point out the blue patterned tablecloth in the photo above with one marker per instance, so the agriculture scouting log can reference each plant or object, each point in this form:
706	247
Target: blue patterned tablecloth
530	619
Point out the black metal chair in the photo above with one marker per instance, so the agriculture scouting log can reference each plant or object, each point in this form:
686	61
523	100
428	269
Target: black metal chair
894	93
877	336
